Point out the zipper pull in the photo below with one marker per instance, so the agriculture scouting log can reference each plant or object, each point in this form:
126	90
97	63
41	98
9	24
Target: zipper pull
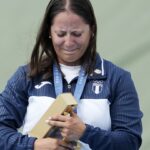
69	87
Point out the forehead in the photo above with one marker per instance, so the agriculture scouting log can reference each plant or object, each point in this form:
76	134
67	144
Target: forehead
68	19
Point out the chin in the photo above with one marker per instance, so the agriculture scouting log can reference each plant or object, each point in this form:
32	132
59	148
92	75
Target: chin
71	63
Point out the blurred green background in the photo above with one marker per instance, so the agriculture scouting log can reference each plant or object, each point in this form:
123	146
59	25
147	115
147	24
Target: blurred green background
123	38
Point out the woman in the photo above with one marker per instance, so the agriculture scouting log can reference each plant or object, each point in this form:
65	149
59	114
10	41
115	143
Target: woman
64	59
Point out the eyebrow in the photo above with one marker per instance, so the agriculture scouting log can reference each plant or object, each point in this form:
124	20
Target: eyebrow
74	30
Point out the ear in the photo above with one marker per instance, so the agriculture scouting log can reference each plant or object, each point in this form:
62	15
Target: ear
92	31
50	34
92	35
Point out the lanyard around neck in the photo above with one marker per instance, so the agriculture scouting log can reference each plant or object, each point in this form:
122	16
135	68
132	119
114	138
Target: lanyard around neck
58	83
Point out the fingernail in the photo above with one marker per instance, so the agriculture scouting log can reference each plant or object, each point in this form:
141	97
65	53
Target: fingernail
50	118
47	121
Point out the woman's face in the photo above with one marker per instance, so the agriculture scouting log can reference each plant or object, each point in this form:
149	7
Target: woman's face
70	37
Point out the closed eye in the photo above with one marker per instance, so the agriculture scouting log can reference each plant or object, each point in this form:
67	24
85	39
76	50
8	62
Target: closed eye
61	34
64	33
76	34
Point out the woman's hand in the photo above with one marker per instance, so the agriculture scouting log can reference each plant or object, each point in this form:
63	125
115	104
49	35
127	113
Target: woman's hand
72	128
52	144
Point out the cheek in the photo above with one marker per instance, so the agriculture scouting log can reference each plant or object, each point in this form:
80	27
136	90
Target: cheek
84	42
57	42
86	38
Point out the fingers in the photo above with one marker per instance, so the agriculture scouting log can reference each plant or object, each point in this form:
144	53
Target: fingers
56	123
73	114
66	145
58	120
65	133
51	143
71	127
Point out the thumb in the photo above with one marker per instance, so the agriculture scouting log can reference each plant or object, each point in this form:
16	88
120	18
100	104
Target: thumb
73	114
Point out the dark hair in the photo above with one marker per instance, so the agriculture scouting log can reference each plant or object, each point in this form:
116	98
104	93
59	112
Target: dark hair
44	55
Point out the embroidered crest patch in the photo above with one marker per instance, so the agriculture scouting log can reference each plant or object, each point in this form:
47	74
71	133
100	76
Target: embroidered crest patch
97	87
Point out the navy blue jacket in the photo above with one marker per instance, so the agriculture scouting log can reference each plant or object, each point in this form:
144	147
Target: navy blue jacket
114	84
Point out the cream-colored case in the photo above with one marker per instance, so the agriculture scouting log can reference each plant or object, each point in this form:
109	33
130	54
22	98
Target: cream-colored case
63	104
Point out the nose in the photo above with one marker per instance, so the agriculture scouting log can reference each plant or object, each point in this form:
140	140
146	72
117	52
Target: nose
69	42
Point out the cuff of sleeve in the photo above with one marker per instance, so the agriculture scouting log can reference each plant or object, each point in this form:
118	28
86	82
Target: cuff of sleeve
85	137
31	143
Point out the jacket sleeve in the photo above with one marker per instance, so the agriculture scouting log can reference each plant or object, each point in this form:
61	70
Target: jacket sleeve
126	128
13	103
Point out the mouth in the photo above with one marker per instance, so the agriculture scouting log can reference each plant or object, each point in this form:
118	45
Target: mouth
70	50
67	49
